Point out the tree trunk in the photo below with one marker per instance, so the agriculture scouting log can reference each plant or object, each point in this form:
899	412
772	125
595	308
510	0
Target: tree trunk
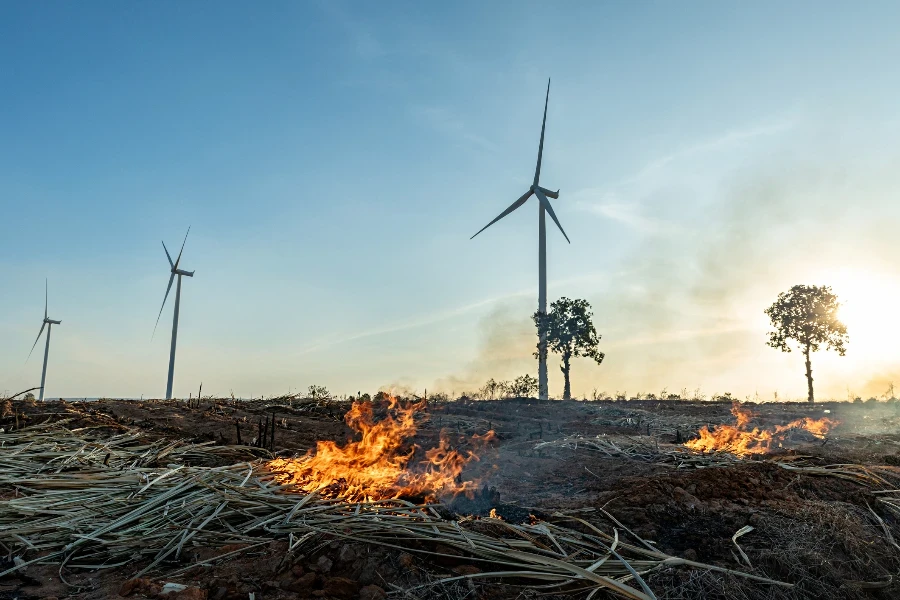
809	378
567	390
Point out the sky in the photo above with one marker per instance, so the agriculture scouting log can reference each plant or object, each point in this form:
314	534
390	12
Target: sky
333	159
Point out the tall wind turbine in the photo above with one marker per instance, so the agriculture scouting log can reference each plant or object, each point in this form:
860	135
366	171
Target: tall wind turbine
543	208
174	271
49	323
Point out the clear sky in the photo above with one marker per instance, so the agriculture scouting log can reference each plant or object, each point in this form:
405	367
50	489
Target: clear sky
333	159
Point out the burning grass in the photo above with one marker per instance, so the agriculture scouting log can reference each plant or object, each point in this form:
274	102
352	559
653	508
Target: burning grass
76	510
382	464
742	440
126	501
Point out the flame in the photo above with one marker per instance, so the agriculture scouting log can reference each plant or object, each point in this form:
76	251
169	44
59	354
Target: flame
380	465
741	440
493	514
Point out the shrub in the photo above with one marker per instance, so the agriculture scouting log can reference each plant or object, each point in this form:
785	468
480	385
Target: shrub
318	392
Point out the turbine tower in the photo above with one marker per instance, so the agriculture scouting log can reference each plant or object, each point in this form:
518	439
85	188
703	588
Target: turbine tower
543	208
49	323
174	271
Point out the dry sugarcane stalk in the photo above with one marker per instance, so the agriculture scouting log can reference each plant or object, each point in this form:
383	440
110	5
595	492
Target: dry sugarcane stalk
72	509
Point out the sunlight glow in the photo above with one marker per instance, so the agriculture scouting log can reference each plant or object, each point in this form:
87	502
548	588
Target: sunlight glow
868	308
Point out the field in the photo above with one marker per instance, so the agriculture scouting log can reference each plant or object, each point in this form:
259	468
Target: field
809	515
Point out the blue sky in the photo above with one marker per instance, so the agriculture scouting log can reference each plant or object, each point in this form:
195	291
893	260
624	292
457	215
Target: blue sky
333	158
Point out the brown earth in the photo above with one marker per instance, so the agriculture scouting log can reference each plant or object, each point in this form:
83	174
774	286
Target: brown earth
819	533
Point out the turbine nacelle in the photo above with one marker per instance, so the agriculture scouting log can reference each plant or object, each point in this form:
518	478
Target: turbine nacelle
52	322
185	273
548	193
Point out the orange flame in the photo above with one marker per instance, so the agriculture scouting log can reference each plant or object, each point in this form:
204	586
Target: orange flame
378	466
743	441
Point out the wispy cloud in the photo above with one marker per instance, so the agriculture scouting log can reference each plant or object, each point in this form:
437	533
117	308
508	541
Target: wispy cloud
628	213
625	200
727	141
678	335
452	126
444	315
407	324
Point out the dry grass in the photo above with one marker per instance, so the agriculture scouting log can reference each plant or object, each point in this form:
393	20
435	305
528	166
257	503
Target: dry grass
85	500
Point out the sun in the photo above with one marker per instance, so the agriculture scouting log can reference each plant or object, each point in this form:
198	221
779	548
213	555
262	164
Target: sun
868	309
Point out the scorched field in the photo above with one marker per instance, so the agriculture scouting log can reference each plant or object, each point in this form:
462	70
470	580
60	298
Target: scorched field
405	498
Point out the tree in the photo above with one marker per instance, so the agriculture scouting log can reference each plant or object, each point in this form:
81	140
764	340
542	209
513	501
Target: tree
570	333
490	388
318	392
523	386
808	315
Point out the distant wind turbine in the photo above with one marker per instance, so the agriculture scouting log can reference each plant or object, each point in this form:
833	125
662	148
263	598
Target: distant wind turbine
174	271
543	207
49	323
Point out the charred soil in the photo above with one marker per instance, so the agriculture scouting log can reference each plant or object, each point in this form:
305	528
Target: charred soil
830	537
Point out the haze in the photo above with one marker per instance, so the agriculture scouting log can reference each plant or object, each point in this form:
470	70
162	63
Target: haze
333	160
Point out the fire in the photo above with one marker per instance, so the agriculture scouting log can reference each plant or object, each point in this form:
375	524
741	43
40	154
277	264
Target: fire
741	440
380	465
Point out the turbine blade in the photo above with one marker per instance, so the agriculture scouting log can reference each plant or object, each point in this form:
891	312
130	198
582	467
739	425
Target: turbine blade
171	277
36	340
537	169
171	264
511	208
178	260
549	209
45	298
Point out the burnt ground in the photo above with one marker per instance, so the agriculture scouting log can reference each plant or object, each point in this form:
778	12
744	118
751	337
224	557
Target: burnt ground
819	533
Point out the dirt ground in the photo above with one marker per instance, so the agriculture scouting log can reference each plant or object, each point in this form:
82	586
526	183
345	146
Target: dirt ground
826	535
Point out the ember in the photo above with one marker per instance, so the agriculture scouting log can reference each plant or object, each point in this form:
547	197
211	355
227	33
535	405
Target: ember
741	440
380	465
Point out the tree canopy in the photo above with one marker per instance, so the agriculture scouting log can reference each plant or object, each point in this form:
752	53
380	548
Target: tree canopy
570	333
523	386
807	315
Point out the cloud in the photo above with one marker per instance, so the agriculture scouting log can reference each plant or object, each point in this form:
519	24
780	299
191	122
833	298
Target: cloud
725	142
444	315
448	124
628	213
404	325
682	176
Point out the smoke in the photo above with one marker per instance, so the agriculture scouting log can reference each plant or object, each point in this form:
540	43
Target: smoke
400	390
881	386
733	227
508	341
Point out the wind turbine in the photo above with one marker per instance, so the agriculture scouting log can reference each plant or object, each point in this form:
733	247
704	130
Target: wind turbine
543	208
174	271
49	323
